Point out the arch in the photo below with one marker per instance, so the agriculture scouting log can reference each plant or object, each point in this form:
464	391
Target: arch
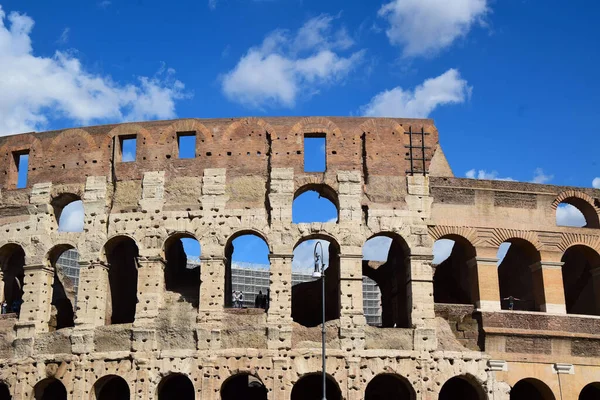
186	125
243	386
49	389
122	254
180	277
315	124
64	286
589	207
453	281
62	202
111	387
306	291
390	386
390	276
247	121
4	391
315	203
76	133
310	386
463	387
12	262
519	277
531	389
127	129
591	391
581	280
176	386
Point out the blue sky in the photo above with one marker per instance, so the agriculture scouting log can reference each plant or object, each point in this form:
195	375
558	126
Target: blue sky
512	85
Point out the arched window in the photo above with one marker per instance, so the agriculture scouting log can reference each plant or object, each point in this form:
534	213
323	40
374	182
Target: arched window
12	261
452	280
4	392
182	270
518	289
578	271
176	386
385	262
64	260
315	203
389	386
247	275
531	389
307	291
590	392
311	387
243	386
463	388
111	387
122	256
69	213
50	389
576	212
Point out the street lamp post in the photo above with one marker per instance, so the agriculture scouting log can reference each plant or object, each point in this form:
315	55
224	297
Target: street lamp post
320	273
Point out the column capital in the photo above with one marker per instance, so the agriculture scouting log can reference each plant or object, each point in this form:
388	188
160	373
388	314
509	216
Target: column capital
204	259
38	267
420	257
353	256
151	259
93	264
547	265
481	260
273	256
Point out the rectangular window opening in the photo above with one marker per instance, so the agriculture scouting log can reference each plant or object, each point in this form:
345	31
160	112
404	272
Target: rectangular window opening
22	164
128	147
315	159
186	144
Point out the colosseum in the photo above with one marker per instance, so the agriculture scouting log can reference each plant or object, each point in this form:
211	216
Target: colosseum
146	326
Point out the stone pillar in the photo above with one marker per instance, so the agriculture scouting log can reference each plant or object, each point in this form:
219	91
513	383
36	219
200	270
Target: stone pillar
596	285
548	288
1	285
151	288
420	300
92	295
483	273
279	316
37	296
280	381
212	301
352	317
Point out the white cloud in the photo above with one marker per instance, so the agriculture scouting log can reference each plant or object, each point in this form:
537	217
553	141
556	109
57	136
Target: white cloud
286	66
483	174
303	260
540	177
104	3
425	27
43	88
447	88
71	218
596	183
64	36
212	4
441	250
568	215
377	248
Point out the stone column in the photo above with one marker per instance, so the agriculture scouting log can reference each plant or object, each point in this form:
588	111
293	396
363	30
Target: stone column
279	315
420	300
548	288
151	288
92	295
485	292
212	301
352	316
37	297
280	381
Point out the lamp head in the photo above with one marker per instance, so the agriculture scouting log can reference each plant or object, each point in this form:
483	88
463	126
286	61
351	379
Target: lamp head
317	272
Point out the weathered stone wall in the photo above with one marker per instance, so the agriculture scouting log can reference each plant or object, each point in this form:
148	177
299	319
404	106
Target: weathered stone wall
244	179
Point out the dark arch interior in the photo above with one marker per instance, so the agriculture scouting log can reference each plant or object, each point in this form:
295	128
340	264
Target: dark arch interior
122	254
460	388
243	386
590	392
12	258
4	392
50	389
310	387
63	293
176	386
578	282
588	211
391	278
387	386
111	388
179	277
531	389
516	278
452	281
307	296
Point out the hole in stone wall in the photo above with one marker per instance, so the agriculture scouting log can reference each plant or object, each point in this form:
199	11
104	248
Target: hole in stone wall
462	388
4	392
64	260
311	387
521	285
22	166
176	386
50	389
452	282
315	158
578	213
315	203
127	148
531	389
243	386
389	386
182	271
186	144
589	392
12	259
581	263
122	256
111	387
69	212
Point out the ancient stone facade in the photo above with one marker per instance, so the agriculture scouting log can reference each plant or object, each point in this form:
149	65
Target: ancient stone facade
448	332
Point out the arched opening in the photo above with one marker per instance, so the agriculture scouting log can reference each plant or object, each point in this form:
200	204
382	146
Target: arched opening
111	387
516	272
307	291
4	392
385	258
453	282
50	389
243	386
182	269
64	261
590	392
247	273
581	281
12	259
463	388
176	386
122	256
315	203
576	212
69	213
310	387
389	386
531	389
